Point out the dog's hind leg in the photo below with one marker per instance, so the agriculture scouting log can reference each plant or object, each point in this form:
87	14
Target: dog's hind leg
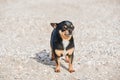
53	56
53	53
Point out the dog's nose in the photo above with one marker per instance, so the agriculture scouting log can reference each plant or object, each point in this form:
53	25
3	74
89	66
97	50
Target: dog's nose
70	31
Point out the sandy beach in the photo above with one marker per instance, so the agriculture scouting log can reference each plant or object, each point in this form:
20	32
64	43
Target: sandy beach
25	39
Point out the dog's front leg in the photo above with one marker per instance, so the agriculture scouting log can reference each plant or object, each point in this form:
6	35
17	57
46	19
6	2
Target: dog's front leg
57	60
70	63
58	54
69	58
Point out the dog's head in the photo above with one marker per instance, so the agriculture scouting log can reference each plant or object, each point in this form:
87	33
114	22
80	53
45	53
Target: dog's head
65	28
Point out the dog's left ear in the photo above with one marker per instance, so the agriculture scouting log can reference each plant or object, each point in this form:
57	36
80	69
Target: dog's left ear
54	25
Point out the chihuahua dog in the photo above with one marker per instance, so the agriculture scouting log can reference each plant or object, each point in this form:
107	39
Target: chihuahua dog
62	42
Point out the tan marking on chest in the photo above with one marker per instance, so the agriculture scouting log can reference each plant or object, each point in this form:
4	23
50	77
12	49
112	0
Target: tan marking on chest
59	52
70	51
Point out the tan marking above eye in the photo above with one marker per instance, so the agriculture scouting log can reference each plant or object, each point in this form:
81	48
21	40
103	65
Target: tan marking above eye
65	26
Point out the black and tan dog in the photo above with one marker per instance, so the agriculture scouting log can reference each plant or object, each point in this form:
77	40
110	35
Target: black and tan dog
62	41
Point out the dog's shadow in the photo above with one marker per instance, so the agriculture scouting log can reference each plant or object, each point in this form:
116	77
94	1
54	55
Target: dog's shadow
44	57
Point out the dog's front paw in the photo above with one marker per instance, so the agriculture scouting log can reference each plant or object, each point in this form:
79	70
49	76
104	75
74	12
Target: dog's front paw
71	70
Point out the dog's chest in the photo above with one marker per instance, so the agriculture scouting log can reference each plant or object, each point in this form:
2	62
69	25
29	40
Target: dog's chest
65	43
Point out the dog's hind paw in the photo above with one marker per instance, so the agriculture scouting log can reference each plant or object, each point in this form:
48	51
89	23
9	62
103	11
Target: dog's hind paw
52	59
57	70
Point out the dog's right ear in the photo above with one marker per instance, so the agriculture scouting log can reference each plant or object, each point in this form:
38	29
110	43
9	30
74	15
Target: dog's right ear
54	25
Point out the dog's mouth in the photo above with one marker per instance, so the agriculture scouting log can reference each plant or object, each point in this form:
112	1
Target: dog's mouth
68	34
65	34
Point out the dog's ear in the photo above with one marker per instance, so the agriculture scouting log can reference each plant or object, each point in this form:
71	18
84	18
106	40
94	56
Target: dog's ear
54	25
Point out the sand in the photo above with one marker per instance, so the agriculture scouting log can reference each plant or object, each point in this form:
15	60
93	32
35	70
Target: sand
25	34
